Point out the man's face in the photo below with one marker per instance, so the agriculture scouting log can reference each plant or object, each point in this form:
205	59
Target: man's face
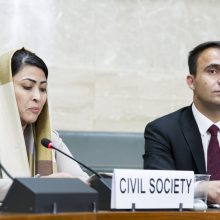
207	81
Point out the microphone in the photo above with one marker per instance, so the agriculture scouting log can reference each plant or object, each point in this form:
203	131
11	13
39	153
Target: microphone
6	171
102	185
48	144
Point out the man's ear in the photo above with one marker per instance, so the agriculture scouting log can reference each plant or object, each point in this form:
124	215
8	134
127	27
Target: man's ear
190	81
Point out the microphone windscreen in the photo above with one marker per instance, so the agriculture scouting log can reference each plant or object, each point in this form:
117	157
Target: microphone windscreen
45	142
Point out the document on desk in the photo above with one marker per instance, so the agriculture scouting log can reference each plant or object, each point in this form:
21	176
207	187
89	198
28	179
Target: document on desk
152	189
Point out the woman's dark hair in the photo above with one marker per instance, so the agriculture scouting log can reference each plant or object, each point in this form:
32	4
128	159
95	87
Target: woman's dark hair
23	58
194	54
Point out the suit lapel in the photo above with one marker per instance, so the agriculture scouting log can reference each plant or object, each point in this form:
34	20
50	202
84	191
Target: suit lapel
193	138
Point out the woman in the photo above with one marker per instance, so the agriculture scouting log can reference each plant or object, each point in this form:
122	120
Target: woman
24	121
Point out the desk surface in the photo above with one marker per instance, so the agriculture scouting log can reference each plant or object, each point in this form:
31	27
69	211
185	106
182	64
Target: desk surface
210	215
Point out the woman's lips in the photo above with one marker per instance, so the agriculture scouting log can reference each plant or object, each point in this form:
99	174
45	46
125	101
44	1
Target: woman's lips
35	110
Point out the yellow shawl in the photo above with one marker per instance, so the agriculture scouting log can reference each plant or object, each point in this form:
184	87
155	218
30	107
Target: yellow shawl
13	154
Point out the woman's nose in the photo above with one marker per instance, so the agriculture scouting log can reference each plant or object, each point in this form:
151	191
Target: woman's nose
36	95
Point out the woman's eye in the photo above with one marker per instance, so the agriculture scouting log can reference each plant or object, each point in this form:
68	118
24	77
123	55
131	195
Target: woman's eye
26	88
43	90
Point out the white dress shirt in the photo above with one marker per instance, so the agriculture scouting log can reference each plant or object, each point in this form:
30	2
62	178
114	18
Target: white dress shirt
204	124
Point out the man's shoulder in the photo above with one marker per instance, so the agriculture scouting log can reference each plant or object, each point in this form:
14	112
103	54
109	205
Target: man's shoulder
170	119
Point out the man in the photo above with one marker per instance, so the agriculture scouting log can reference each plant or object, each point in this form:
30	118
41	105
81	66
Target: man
189	138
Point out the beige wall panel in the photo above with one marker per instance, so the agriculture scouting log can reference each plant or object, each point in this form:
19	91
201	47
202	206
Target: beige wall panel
180	87
115	111
154	85
116	83
72	95
154	108
114	65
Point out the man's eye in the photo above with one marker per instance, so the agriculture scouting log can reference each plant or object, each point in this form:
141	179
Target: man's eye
43	90
26	88
212	71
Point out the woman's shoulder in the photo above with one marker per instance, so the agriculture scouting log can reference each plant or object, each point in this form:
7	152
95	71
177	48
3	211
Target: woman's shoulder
56	138
55	133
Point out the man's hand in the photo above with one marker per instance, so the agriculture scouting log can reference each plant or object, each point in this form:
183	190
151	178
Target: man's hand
214	192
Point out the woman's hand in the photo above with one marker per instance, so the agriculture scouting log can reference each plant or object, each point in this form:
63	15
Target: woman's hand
61	175
58	175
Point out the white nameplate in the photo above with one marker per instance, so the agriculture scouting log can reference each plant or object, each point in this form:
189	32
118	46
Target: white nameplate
152	189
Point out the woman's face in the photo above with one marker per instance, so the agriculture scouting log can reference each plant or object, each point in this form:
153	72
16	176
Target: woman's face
30	91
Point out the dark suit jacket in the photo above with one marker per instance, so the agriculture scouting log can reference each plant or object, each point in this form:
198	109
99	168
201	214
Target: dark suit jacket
173	142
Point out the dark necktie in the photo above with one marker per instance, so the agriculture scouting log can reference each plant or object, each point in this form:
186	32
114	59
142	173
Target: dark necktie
213	166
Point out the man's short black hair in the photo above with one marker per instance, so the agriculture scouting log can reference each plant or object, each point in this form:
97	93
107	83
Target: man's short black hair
194	54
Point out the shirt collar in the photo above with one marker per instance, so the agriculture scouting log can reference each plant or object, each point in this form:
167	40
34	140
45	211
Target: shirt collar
203	122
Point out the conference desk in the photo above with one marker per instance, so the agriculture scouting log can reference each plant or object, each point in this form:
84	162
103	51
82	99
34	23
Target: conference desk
210	215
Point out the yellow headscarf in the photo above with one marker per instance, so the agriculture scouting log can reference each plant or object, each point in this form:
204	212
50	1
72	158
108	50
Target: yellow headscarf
13	154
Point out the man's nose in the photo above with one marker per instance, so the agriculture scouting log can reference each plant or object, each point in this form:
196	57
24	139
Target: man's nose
218	78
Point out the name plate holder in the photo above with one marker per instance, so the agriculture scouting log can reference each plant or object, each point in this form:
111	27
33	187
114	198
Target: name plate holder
152	189
50	195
